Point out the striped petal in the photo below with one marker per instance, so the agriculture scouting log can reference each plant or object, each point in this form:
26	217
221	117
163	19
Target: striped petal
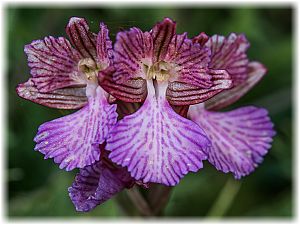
155	143
162	34
201	38
256	71
73	141
186	94
230	54
64	98
131	50
134	90
104	47
53	63
240	138
96	184
81	38
189	61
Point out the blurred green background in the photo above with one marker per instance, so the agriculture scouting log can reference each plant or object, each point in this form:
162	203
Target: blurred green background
38	188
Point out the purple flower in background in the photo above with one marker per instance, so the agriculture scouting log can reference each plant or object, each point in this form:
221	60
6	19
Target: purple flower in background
163	88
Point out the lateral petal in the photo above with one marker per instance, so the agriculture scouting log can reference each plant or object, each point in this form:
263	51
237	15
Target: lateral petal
240	138
81	38
96	184
53	63
230	53
104	47
131	48
133	90
255	71
162	34
64	98
186	94
189	61
73	140
155	143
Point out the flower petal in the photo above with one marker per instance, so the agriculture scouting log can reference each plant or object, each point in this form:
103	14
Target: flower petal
189	61
186	94
81	37
104	47
155	143
64	98
96	184
134	90
240	138
73	141
162	34
130	49
53	63
256	71
230	54
201	38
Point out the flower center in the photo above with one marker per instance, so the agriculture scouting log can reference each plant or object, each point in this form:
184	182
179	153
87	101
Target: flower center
89	68
161	71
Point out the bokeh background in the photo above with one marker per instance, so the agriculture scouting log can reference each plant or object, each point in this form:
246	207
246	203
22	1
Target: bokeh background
37	188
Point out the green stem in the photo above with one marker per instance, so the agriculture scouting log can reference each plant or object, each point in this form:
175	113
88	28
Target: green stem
225	198
139	201
158	198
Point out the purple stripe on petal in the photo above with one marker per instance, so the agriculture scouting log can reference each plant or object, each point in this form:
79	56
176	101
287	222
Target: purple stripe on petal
134	90
155	143
189	61
104	47
240	138
162	34
185	94
230	54
255	71
96	184
201	38
73	141
130	50
81	37
65	98
53	63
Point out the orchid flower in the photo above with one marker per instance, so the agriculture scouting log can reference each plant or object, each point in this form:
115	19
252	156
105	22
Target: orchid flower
240	138
155	143
65	77
145	107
